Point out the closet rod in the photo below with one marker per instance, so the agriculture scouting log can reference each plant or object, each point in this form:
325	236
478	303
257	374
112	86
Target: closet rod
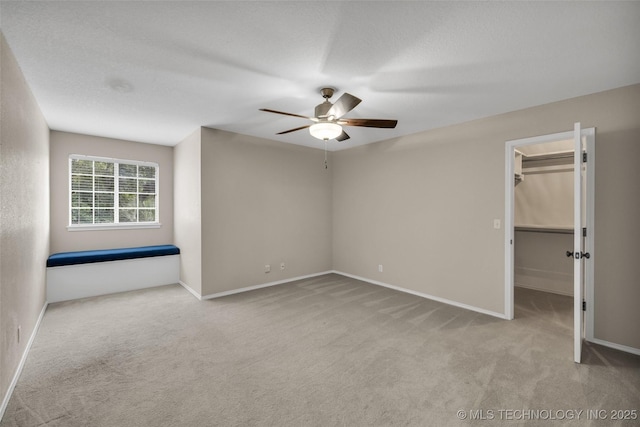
544	230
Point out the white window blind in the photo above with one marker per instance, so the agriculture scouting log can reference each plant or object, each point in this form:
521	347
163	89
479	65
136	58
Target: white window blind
111	191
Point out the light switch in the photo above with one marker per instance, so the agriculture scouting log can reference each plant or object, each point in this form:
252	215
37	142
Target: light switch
496	224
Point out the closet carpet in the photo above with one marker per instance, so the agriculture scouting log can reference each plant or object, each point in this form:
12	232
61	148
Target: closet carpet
325	351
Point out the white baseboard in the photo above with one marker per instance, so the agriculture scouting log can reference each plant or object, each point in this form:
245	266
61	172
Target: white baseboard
551	291
374	282
23	359
615	346
555	282
101	278
191	291
264	285
423	295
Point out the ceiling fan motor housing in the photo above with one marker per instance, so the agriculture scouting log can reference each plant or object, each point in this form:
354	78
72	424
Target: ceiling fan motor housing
322	109
327	92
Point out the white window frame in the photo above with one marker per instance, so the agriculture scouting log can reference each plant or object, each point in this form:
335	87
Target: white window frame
113	225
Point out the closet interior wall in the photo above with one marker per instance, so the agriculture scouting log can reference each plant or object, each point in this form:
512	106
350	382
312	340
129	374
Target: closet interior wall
544	218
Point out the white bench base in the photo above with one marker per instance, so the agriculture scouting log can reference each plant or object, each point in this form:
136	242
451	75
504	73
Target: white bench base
71	282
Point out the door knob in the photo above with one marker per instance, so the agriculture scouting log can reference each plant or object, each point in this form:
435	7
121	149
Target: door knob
578	255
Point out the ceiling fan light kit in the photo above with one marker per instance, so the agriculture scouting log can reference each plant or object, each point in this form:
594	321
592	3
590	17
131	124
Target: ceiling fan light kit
328	119
325	130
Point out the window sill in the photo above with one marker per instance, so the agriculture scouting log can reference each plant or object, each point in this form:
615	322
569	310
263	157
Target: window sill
100	227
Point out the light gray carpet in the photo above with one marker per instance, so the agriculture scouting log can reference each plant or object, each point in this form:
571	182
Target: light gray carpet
327	351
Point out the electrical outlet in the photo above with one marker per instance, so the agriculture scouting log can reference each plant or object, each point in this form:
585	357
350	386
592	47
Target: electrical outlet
380	268
282	266
267	268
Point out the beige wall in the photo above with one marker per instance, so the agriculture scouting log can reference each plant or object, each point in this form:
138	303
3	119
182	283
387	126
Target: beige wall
617	269
24	213
64	144
544	200
540	262
263	202
423	206
187	210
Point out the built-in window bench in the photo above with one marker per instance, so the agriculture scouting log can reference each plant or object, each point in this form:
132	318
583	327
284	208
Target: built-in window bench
73	275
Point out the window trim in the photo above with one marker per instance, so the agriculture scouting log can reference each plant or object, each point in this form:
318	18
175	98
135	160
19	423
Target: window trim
113	225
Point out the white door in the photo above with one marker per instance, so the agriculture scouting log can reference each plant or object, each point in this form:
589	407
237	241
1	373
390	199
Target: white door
579	253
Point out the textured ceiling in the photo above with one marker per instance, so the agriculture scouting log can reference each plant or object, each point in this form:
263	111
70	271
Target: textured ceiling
156	71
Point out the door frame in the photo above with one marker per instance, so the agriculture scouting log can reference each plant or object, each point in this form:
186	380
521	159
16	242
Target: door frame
509	232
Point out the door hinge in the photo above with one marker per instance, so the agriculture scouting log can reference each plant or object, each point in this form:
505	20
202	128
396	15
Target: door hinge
584	157
584	305
584	232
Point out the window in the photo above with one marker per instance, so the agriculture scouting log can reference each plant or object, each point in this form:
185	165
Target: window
112	192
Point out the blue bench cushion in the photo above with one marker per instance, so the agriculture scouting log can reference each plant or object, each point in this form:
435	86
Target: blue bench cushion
85	257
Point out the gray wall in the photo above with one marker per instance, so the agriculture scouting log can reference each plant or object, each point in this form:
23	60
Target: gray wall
263	202
24	213
423	206
64	144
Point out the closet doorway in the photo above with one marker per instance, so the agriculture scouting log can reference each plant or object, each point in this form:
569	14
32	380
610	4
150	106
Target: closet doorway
549	223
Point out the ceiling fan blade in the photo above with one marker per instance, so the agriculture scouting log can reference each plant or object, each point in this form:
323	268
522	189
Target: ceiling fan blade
342	137
292	130
343	105
369	123
286	114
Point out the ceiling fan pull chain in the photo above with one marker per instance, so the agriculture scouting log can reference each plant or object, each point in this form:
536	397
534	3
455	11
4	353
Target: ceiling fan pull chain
325	155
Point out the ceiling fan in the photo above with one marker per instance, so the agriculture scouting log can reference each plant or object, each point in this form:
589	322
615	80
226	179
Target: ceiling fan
328	120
